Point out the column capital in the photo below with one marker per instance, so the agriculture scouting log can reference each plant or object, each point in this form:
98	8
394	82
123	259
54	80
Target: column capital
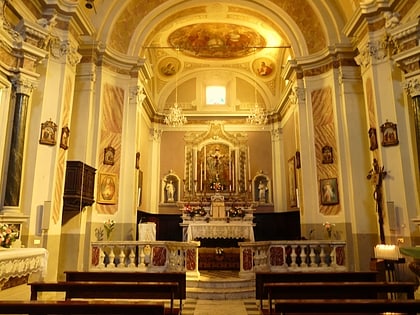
412	86
65	51
23	85
155	134
373	53
137	94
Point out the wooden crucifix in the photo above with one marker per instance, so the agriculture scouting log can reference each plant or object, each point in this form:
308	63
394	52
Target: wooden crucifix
376	175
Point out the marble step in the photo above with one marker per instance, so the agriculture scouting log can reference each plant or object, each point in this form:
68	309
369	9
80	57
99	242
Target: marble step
221	293
220	285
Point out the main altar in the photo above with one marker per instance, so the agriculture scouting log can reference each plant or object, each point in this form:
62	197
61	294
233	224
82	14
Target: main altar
217	220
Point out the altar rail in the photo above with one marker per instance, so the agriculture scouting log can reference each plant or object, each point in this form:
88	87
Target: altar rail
305	255
157	256
276	256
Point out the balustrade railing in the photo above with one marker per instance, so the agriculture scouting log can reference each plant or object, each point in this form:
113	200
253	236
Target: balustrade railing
276	256
156	256
305	255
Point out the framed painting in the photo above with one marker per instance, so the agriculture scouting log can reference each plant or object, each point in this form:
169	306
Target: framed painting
64	141
389	134
48	133
291	166
329	191
327	155
109	155
107	189
373	140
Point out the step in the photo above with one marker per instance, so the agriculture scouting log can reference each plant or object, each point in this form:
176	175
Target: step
220	285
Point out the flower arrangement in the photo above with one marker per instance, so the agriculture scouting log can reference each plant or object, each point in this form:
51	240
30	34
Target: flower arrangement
109	226
328	227
195	211
8	234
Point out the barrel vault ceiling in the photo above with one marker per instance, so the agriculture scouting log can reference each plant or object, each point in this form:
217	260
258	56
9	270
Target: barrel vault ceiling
242	45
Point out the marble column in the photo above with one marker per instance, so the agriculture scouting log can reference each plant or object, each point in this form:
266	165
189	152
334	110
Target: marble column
14	172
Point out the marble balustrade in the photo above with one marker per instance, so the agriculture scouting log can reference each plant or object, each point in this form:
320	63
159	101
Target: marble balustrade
276	256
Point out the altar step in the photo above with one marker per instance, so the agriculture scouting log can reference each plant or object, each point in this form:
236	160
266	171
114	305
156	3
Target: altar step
220	285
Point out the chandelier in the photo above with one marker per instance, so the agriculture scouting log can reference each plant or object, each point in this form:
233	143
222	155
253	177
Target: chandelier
258	116
175	117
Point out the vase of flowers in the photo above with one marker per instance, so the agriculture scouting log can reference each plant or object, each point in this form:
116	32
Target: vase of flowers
109	226
9	233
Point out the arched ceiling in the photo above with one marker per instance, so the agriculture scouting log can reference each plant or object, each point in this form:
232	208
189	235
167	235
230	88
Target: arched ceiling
189	45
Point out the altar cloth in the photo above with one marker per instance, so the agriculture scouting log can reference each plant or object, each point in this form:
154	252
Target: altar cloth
19	262
239	230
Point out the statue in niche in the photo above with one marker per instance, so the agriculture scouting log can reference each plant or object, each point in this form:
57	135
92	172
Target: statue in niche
170	191
262	191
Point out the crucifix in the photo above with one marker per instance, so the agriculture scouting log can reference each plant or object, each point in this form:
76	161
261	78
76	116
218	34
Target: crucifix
376	175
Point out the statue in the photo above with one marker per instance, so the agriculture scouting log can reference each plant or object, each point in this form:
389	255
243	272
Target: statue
170	191
262	188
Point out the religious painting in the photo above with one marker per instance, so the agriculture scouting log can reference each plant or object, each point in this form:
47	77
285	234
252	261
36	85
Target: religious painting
327	155
263	67
389	134
64	141
109	155
329	191
169	66
216	40
107	189
48	133
292	182
373	140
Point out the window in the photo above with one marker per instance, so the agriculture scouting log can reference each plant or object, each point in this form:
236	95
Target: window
215	95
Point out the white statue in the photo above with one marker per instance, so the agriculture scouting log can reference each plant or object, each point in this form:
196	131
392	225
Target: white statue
262	188
170	191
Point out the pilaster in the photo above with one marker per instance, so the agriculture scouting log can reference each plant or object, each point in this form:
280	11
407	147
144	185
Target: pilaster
154	138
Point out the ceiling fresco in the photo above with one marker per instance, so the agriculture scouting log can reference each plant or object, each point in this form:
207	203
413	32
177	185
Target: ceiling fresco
216	40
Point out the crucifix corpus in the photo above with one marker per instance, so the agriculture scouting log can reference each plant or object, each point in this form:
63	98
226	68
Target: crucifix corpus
376	176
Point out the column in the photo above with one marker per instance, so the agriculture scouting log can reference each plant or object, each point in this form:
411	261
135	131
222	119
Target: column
412	87
14	173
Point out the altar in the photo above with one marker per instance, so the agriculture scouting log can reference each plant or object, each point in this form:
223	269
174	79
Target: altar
22	263
194	230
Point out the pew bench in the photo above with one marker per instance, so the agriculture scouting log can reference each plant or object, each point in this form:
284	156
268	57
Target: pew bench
109	290
342	276
339	306
82	307
133	276
336	290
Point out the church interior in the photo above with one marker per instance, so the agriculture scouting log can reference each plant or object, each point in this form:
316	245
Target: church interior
228	131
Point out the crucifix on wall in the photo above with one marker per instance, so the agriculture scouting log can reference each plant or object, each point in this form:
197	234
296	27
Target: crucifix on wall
376	176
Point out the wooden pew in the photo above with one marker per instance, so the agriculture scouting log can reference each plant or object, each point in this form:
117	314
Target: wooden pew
133	276
337	306
81	307
336	290
109	290
344	276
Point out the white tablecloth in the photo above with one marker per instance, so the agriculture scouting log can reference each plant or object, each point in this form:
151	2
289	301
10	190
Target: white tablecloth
220	230
147	231
19	262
